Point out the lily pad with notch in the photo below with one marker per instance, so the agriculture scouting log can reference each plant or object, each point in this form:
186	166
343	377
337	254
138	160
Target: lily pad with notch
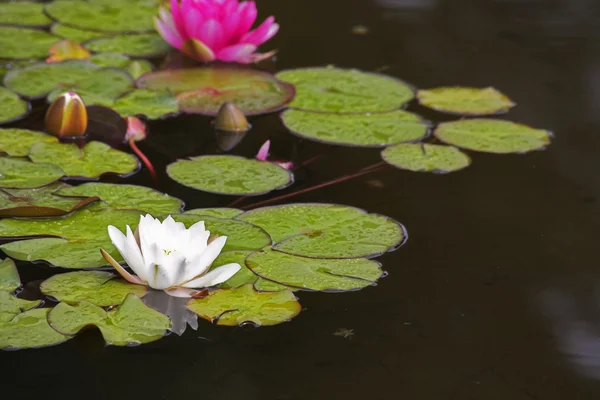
17	142
152	104
465	100
10	305
244	276
29	330
420	157
139	45
19	173
25	44
23	13
9	276
12	107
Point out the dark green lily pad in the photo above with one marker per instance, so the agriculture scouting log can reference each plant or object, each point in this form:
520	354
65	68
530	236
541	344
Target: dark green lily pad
492	136
146	102
9	276
23	14
345	90
74	34
11	306
17	142
19	173
135	68
465	100
97	287
29	330
370	130
72	241
216	212
104	16
131	323
91	161
25	44
244	276
121	196
314	273
203	90
232	307
12	108
327	230
142	45
39	202
426	157
230	175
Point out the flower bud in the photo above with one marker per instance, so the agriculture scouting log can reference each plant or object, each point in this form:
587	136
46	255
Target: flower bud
67	116
136	130
231	119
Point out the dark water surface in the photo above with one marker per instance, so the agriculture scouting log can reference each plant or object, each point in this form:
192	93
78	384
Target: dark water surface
495	296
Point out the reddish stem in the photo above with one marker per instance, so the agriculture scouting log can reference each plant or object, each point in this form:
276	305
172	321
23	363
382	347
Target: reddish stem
145	160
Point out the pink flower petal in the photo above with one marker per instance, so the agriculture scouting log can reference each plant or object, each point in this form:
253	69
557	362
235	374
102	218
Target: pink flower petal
247	11
264	32
178	17
236	52
257	57
263	152
211	34
193	22
230	25
171	36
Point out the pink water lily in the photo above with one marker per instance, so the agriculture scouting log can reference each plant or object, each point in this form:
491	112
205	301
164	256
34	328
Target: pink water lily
208	30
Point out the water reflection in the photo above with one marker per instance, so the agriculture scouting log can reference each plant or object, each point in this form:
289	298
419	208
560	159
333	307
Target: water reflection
174	308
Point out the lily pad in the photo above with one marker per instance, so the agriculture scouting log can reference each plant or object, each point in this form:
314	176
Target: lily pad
17	142
146	102
11	306
203	90
233	307
24	44
39	202
9	276
9	65
327	230
230	175
345	90
142	45
104	16
465	100
12	108
131	323
29	330
74	34
19	173
370	130
244	276
121	196
492	136
91	161
97	287
23	14
426	157
216	212
313	273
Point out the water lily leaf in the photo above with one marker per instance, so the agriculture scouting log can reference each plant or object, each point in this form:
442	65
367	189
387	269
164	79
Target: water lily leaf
23	14
216	212
108	60
313	273
17	142
131	323
97	287
492	136
244	276
137	68
141	45
39	202
203	90
230	175
29	330
370	130
9	65
12	108
327	230
233	307
107	16
345	90
74	34
426	157
465	100
25	44
11	306
72	241
9	276
23	174
121	196
91	161
146	102
102	87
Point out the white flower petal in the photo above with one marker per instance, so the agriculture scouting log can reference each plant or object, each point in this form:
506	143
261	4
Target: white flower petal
200	263
181	292
214	277
133	256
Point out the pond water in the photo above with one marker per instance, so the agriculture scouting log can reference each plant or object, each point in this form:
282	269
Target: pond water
495	294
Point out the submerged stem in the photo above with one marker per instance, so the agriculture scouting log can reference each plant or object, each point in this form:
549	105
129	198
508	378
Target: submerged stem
145	160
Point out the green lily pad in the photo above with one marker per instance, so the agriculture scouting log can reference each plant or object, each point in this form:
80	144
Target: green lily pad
370	130
101	88
131	323
9	276
216	212
72	241
12	108
74	34
314	273
137	68
327	230
231	307
23	174
492	136
121	196
203	90
109	60
39	202
24	44
230	175
97	287
345	90
426	157
465	100
142	45
9	65
104	16
146	102
23	14
29	330
91	161
244	276
17	142
11	306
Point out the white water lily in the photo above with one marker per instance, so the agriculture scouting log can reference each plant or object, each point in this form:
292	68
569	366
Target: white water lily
169	257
